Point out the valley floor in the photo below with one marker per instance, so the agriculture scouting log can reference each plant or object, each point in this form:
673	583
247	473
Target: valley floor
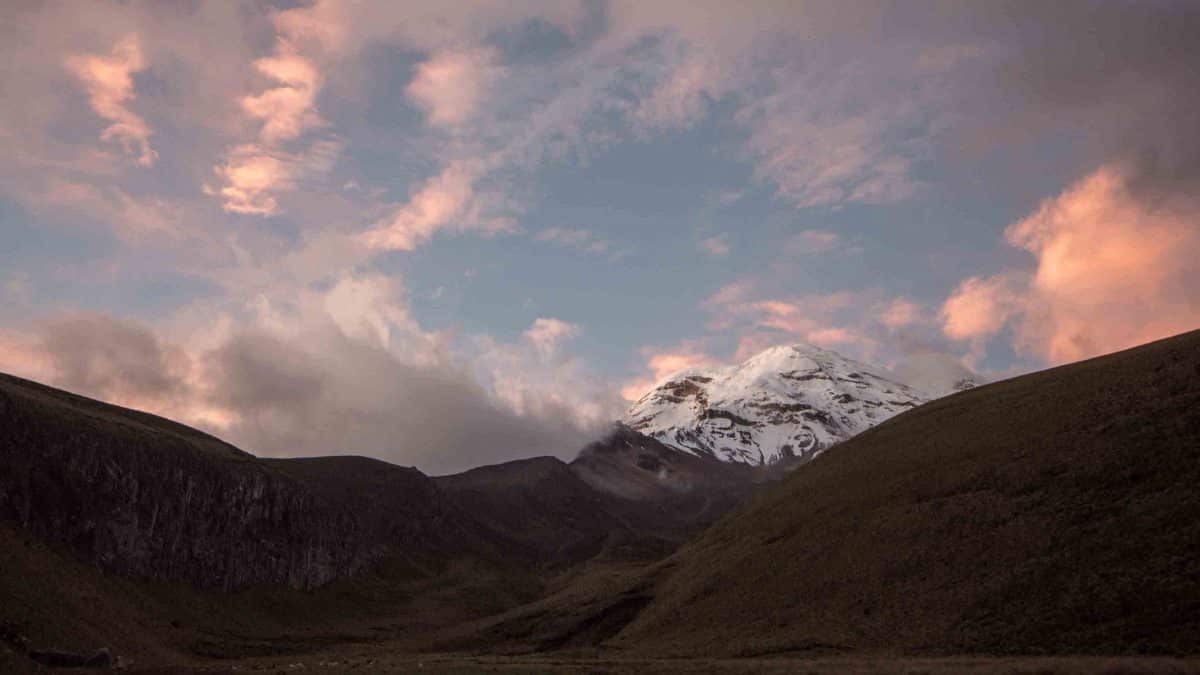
378	661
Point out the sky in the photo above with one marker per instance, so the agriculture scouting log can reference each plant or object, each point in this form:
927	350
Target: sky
446	233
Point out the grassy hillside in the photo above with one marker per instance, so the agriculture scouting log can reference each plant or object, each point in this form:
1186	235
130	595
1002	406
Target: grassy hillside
1053	513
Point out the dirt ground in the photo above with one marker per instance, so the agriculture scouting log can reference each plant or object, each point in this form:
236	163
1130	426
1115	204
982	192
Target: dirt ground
382	662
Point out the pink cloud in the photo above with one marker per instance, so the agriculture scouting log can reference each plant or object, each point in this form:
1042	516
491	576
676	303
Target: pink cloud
21	355
752	343
445	200
715	246
850	320
251	178
979	307
664	362
254	174
899	313
451	85
1114	269
547	334
287	110
835	336
682	97
109	84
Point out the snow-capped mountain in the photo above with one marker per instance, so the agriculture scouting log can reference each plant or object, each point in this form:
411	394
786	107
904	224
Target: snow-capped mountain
792	401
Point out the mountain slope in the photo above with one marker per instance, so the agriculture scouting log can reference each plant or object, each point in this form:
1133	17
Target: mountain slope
141	495
786	403
125	529
1056	512
638	467
543	509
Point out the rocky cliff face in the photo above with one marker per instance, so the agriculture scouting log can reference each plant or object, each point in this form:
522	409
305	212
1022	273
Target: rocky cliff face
141	495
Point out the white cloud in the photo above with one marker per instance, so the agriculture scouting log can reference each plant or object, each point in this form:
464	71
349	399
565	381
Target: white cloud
547	334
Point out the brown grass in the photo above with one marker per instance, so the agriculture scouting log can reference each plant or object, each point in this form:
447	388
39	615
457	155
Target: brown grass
1056	513
1053	514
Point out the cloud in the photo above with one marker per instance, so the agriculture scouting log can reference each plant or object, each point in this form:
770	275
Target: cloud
287	110
534	384
334	395
1114	267
21	354
979	307
251	179
134	219
900	313
547	334
113	359
871	324
935	373
447	200
451	85
664	362
253	175
812	242
827	156
577	238
683	94
819	318
341	372
715	246
109	84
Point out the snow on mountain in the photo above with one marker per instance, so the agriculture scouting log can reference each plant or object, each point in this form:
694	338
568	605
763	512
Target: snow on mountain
792	401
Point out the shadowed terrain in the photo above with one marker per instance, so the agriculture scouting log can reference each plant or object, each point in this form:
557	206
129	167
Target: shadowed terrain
1055	513
1051	514
126	530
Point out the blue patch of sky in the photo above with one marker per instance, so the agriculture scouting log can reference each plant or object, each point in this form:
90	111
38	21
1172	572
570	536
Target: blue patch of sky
53	260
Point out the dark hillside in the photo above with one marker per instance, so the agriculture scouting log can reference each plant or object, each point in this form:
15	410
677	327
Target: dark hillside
1057	512
549	513
144	496
127	530
543	510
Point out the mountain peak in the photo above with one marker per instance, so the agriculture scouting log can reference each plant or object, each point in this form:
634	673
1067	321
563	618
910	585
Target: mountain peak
786	402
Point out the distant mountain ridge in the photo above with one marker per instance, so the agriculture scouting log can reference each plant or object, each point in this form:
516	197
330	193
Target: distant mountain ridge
787	403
